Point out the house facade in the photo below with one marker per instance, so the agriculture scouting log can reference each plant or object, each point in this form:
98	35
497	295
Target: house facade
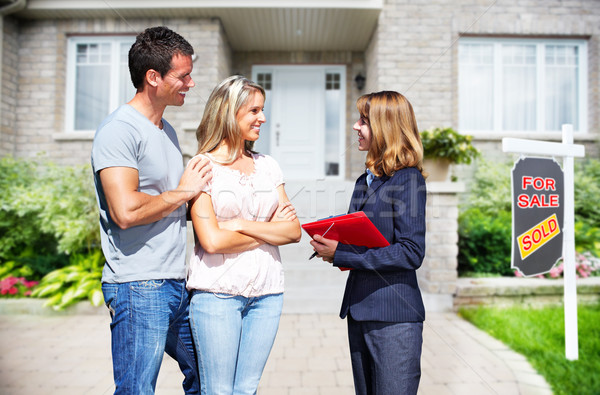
489	68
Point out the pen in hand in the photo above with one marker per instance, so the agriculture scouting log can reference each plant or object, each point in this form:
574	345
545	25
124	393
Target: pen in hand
323	235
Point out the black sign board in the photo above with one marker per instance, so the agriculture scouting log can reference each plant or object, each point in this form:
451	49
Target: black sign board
538	191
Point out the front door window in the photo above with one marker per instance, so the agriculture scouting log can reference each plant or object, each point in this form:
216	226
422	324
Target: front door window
333	123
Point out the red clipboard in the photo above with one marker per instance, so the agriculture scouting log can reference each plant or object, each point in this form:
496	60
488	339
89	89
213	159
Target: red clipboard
354	228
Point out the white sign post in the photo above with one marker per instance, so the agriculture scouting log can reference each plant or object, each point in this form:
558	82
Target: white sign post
568	151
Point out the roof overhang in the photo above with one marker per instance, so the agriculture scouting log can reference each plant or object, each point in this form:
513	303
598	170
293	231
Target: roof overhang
262	25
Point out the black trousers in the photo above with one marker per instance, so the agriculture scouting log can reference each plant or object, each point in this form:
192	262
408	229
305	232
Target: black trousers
386	356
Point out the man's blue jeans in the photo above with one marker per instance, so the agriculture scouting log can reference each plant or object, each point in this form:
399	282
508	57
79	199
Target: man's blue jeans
234	336
149	318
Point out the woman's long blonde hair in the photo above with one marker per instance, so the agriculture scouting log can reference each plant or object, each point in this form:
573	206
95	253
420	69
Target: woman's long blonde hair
395	139
219	124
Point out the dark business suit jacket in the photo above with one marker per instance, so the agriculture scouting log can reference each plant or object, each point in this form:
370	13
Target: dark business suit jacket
383	284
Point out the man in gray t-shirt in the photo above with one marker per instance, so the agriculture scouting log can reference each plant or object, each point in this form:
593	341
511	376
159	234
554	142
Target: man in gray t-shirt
142	189
155	250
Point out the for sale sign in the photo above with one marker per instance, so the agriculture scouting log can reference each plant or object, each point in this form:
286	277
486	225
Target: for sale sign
538	190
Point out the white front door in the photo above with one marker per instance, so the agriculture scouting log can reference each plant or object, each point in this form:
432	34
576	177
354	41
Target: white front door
298	111
297	122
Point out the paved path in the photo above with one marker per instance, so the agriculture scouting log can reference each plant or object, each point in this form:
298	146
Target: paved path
70	354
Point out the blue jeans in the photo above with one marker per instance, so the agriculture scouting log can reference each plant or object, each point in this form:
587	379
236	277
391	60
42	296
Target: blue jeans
149	318
233	336
386	356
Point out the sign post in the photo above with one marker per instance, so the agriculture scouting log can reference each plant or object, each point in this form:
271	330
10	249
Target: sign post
568	151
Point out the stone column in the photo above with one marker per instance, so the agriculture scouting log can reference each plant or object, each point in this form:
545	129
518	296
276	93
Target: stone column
438	275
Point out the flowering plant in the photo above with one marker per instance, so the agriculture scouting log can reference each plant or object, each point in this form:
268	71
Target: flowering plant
16	287
586	265
449	144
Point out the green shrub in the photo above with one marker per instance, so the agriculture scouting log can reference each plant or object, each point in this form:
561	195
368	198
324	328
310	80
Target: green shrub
74	283
448	144
24	249
63	201
32	265
587	191
46	213
484	242
490	187
484	224
587	238
48	220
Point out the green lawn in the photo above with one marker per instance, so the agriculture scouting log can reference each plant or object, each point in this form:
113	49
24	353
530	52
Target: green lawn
539	335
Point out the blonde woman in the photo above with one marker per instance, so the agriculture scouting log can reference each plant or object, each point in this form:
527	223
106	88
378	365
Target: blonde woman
382	300
239	219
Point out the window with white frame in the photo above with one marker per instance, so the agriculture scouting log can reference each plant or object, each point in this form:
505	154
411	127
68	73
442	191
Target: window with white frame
522	85
98	79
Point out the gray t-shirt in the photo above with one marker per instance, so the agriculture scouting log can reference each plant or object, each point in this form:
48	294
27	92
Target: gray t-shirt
126	138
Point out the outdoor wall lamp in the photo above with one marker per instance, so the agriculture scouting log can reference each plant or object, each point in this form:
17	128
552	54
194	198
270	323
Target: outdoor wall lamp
360	81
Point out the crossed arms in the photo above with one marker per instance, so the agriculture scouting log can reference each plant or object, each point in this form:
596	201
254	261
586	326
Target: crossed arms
239	235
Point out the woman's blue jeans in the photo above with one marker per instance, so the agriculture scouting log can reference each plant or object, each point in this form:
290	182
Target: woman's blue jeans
233	336
149	318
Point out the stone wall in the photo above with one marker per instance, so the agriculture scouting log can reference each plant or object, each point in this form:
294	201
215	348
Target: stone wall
8	88
437	276
530	292
213	64
40	95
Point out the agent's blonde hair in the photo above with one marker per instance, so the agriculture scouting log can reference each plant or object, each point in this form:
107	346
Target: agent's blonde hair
219	124
395	139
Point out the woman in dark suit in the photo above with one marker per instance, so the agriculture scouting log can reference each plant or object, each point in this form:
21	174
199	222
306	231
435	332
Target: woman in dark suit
382	299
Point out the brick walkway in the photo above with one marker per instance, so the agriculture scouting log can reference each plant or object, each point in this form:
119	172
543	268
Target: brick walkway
70	354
